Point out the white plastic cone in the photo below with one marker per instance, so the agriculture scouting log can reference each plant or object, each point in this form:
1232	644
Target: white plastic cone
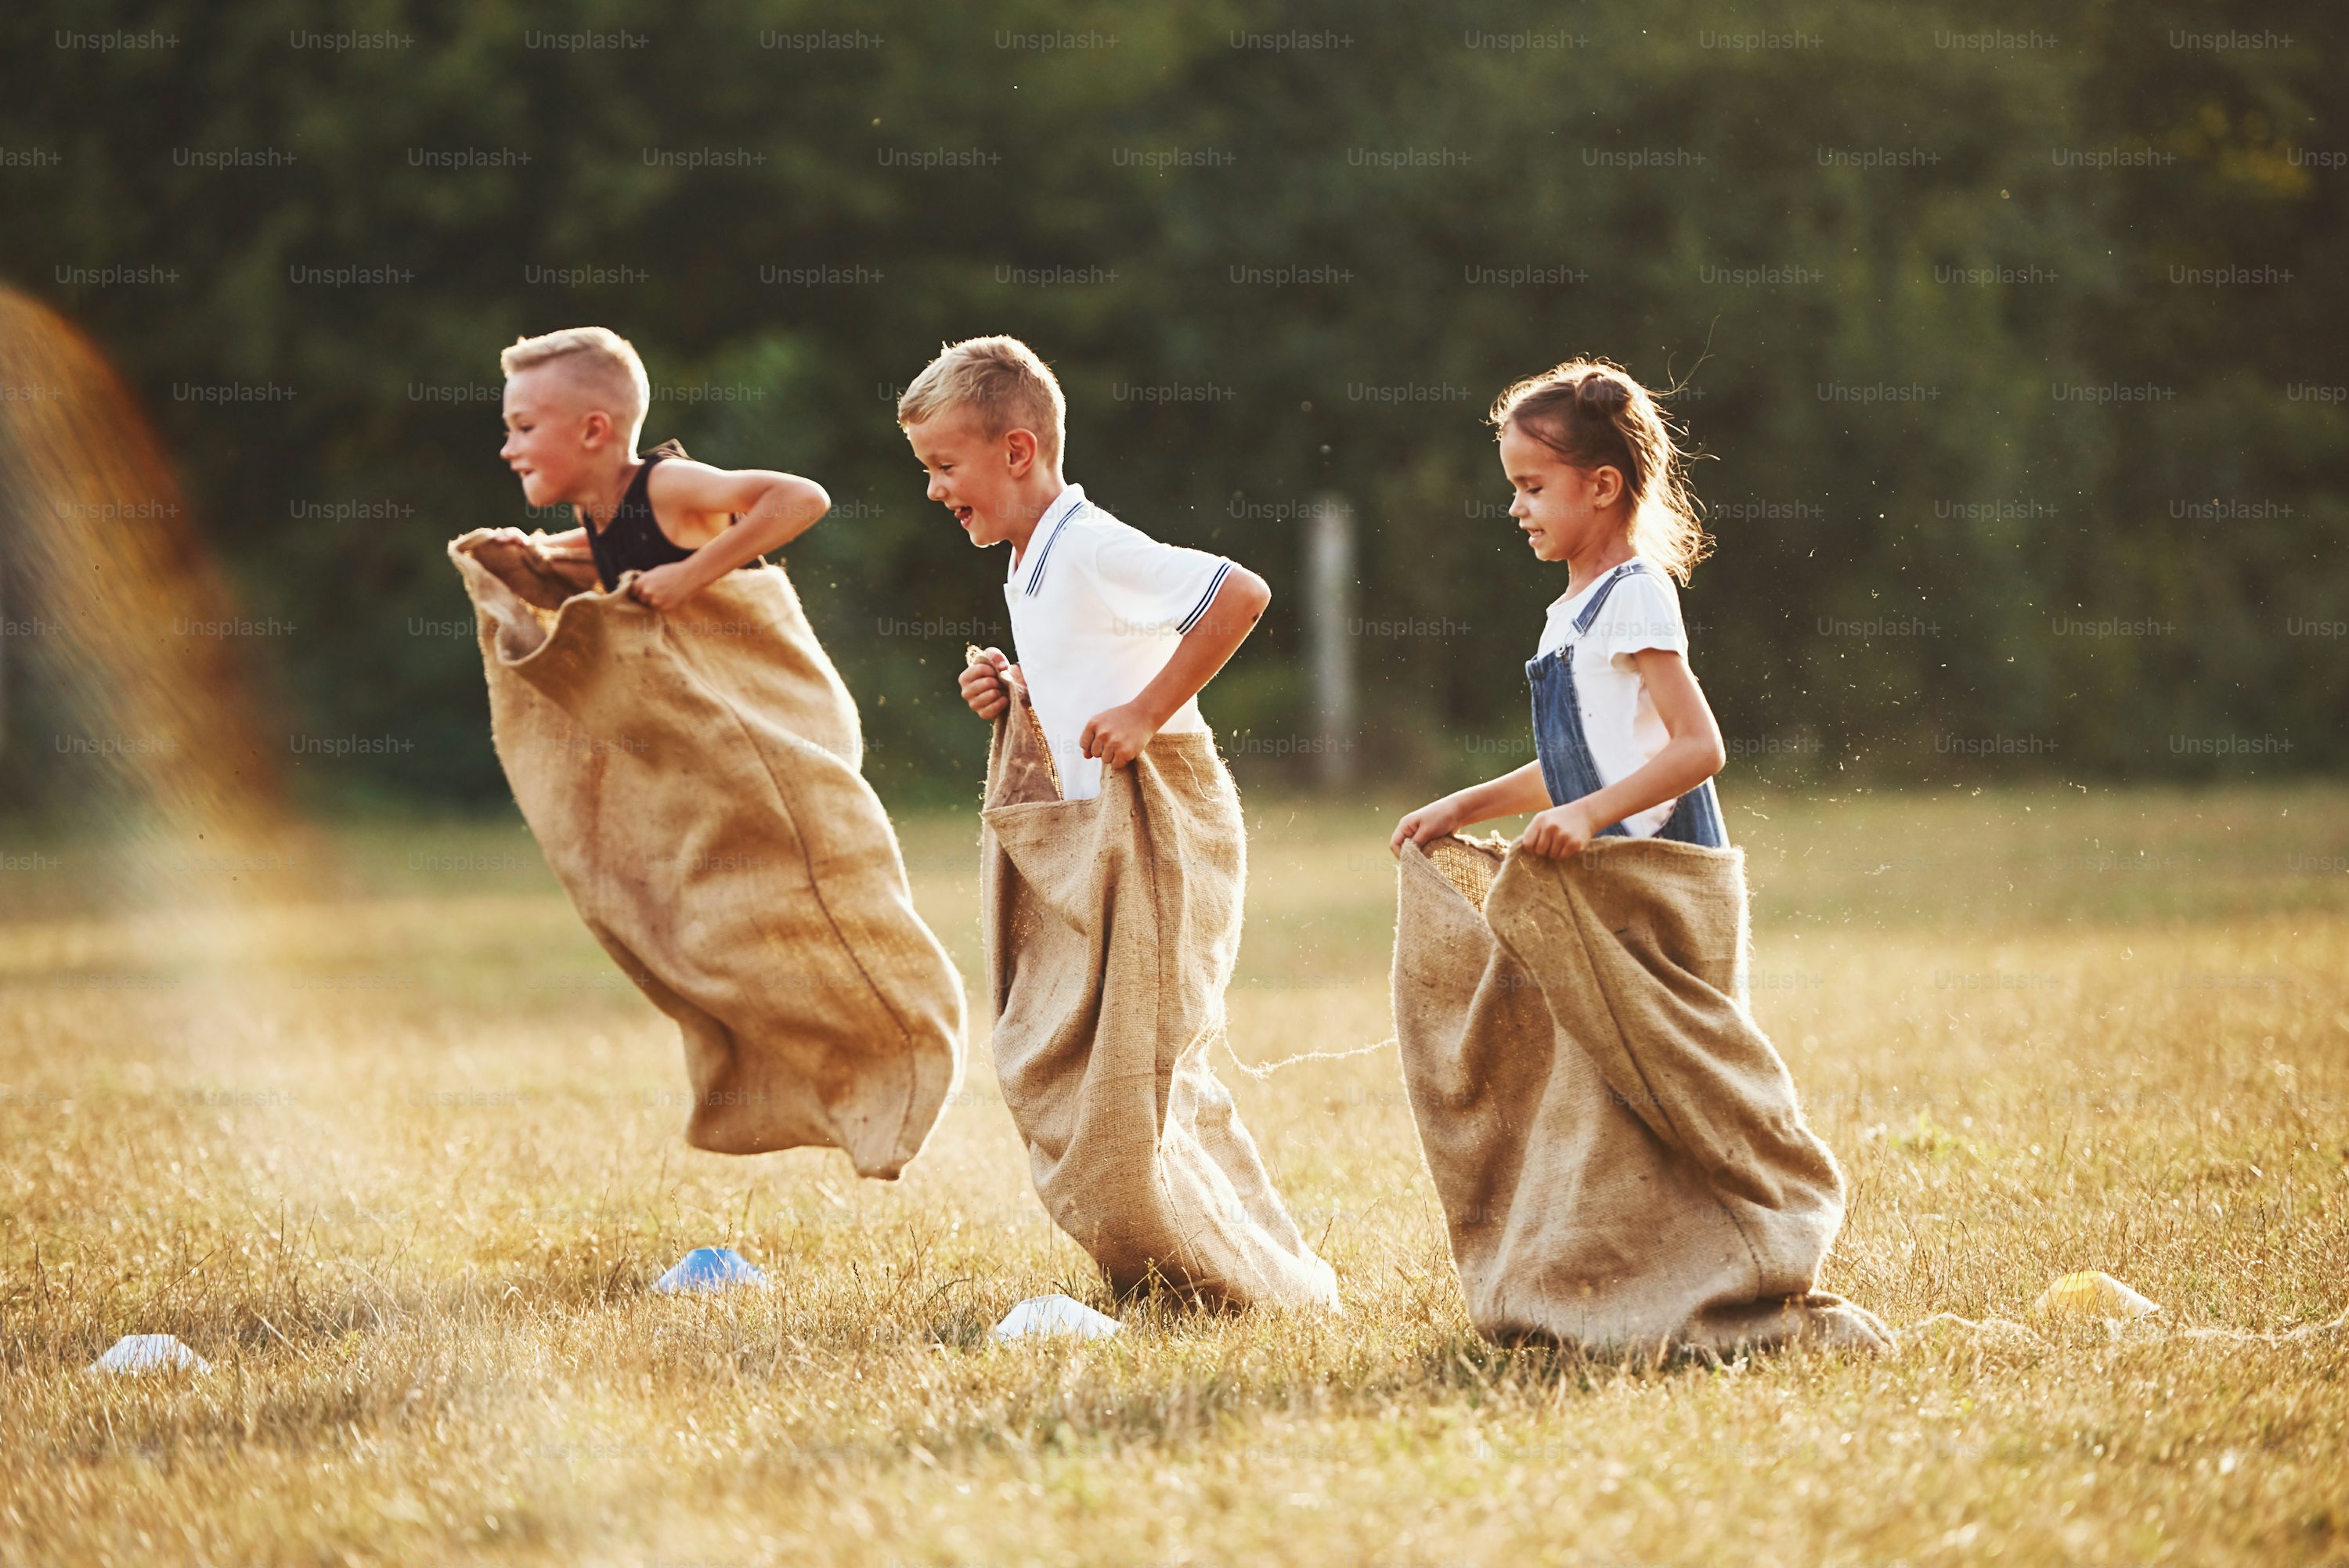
1039	1316
150	1353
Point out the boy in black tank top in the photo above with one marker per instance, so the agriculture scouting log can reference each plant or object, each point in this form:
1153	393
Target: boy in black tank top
575	406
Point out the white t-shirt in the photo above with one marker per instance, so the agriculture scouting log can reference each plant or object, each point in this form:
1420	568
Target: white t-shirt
1097	607
1619	717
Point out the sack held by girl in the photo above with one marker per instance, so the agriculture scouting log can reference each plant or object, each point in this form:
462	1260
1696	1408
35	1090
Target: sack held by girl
1619	1149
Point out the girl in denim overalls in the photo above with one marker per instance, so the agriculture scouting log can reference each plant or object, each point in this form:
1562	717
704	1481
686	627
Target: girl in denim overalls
1624	741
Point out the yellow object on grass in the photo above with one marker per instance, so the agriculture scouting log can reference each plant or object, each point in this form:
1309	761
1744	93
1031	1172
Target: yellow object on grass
2092	1293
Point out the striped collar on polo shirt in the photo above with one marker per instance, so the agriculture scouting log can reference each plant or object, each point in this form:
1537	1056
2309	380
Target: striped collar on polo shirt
1048	529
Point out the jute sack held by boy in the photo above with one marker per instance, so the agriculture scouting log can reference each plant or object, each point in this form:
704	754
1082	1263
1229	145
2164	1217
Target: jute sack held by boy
1113	857
688	760
1619	1148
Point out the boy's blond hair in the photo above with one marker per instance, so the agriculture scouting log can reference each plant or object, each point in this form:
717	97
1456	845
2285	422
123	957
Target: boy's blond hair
999	378
603	362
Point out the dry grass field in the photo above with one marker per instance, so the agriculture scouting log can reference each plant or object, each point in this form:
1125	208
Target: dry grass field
378	1131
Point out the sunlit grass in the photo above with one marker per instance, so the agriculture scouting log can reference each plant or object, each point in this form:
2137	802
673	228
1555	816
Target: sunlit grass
390	1144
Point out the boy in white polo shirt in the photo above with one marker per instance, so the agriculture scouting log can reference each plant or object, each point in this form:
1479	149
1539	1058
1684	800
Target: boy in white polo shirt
1113	811
1116	630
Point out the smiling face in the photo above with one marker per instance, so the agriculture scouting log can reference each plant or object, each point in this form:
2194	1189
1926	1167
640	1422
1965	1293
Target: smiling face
554	434
978	477
1564	511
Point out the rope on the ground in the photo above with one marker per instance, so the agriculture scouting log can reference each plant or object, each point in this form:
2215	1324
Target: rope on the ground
1268	1068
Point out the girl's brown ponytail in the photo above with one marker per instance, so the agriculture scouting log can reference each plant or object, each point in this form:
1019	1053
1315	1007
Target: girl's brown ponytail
1591	413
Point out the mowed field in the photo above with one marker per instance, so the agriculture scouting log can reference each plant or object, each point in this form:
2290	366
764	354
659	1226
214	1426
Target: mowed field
380	1132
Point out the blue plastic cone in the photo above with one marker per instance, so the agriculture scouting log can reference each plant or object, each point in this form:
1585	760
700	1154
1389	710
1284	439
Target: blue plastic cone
710	1268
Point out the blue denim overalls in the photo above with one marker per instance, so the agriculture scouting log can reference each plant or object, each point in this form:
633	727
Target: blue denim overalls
1568	770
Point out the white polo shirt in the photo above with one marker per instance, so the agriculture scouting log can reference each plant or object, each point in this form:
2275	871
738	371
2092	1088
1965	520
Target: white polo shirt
1097	606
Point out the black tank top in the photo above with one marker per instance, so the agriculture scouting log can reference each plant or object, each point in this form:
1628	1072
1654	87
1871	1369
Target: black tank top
633	541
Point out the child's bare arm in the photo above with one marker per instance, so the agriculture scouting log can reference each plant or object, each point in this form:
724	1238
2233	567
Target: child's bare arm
564	557
543	578
770	510
1693	755
1517	790
568	542
1117	735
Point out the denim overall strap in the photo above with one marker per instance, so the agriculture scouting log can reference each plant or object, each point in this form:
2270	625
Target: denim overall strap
1569	772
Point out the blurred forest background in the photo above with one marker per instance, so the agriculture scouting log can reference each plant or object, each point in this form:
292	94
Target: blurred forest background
2012	334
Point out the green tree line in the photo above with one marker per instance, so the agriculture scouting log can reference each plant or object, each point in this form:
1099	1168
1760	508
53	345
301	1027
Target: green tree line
2009	335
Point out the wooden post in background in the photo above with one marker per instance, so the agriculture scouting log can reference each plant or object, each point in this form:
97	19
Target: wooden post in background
1330	644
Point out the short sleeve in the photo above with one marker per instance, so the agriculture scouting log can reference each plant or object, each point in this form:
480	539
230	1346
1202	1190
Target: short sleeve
1642	613
1149	584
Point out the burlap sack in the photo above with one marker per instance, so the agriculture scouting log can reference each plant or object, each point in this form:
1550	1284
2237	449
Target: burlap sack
1618	1147
692	777
1111	928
